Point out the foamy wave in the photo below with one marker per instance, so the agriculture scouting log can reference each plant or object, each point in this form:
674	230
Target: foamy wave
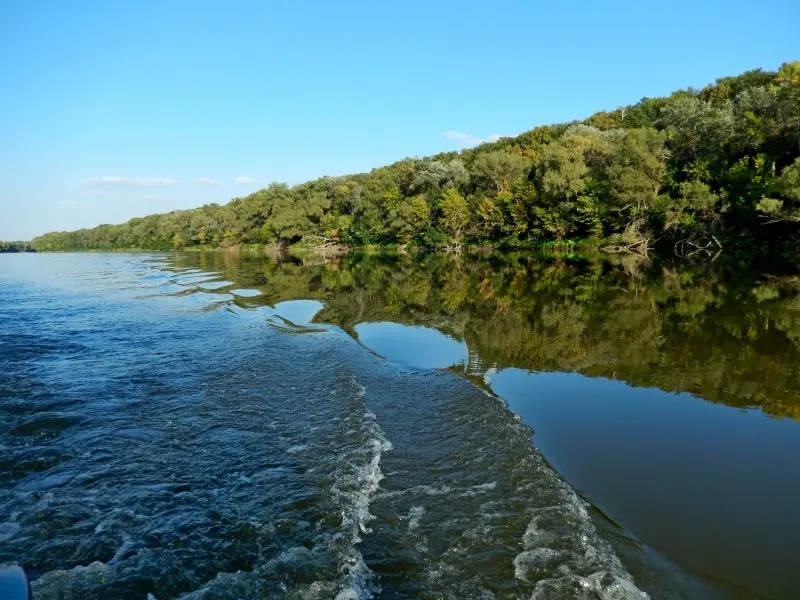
440	490
356	485
415	515
565	558
600	585
361	391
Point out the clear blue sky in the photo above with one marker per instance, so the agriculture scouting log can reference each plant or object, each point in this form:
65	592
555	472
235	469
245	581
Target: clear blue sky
115	109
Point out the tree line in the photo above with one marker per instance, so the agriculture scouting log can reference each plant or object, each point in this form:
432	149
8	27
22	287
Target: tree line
695	172
16	247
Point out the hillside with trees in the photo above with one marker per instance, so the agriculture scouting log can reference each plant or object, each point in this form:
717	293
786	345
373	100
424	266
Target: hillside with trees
699	171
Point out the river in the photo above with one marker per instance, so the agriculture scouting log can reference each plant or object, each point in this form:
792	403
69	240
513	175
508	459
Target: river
224	425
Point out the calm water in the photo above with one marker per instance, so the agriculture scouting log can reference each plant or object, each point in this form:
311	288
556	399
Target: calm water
222	426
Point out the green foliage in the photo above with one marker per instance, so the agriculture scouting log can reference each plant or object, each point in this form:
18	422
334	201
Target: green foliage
697	128
770	206
562	170
788	186
721	164
500	169
409	218
789	183
16	247
437	175
637	171
455	214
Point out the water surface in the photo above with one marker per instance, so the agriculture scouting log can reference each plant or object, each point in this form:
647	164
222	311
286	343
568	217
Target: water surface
215	425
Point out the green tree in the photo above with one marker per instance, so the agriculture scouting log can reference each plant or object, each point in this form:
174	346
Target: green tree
455	214
499	170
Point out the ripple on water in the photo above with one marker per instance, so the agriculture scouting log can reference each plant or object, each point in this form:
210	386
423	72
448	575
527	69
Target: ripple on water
206	298
217	461
47	425
8	530
298	312
214	285
245	293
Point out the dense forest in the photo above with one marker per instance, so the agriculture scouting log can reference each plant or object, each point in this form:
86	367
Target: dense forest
696	172
16	247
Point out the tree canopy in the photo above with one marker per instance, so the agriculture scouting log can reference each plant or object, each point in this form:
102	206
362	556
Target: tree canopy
16	247
700	170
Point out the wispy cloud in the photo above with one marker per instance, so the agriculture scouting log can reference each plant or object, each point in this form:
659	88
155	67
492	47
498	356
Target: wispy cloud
66	201
138	182
465	140
99	193
206	181
245	179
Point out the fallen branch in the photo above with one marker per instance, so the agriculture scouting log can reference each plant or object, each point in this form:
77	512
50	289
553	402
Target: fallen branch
455	247
321	242
640	247
697	242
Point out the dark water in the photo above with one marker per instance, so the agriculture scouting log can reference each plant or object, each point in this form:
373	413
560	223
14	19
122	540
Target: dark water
222	426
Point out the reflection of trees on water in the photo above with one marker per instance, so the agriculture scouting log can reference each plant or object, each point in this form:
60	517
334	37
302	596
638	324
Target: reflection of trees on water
724	336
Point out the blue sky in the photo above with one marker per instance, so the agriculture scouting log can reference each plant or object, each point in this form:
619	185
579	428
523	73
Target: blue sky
110	110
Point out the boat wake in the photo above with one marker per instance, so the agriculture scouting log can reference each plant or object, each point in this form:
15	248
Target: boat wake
298	467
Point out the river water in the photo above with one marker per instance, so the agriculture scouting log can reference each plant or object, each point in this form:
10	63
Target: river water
229	426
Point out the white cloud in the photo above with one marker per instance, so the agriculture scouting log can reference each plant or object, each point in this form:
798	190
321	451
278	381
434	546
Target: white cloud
139	182
465	140
245	179
206	181
66	202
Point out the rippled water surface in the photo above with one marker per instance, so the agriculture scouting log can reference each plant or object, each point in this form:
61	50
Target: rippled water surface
223	426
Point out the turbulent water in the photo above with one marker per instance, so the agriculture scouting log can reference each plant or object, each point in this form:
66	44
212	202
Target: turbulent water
174	430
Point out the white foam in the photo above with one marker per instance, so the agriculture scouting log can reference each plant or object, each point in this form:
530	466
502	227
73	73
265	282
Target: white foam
355	488
415	515
600	585
531	564
441	490
574	561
